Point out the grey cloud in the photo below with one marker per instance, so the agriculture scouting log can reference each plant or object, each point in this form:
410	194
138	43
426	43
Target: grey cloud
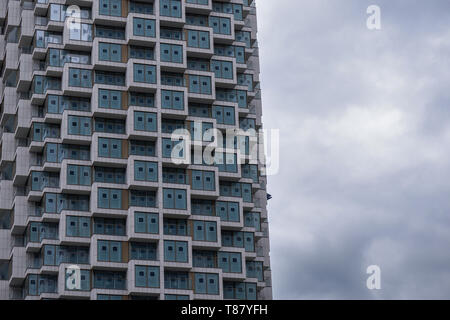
365	170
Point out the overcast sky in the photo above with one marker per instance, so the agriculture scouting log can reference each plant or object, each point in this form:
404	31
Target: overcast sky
365	147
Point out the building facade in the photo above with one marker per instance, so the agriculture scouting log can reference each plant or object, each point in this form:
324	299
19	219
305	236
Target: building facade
106	106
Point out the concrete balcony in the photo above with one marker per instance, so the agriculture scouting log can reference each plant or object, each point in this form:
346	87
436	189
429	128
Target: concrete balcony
107	161
9	104
118	66
41	7
19	266
74	138
4	288
21	213
252	62
248	206
14	14
116	21
173	21
132	279
133	39
116	213
40	53
140	86
108	265
198	8
68	240
172	66
12	56
27	28
64	293
2	46
5	243
220	38
7	192
175	111
130	125
202	194
3	7
98	111
57	26
80	91
234	276
8	147
23	163
25	72
23	118
71	188
80	45
204	98
131	230
198	52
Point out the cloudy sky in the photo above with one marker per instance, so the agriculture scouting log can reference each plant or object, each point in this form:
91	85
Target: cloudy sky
365	147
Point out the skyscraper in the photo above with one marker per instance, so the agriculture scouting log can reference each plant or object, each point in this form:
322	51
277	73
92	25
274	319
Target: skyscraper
108	111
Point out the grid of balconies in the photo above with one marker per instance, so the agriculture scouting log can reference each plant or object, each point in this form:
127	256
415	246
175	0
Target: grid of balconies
87	115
